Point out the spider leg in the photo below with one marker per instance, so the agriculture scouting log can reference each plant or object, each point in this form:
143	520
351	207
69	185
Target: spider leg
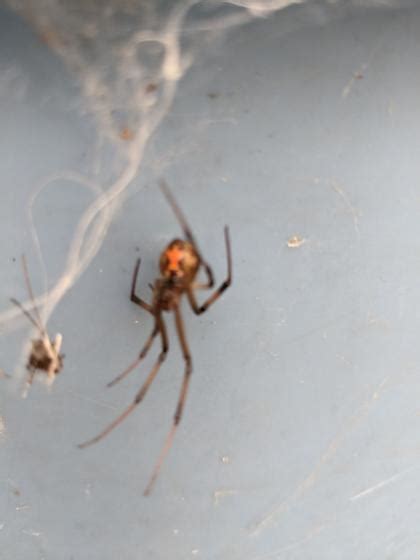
178	213
4	374
134	298
198	309
31	375
187	231
28	315
31	293
210	279
136	362
28	381
143	390
181	401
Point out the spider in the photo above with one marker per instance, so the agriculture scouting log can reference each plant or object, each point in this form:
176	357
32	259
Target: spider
45	354
179	265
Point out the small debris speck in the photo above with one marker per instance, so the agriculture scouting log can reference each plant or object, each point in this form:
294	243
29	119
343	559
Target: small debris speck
295	241
219	494
126	133
150	88
225	459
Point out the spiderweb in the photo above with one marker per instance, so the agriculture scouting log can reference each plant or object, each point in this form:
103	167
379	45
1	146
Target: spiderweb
128	58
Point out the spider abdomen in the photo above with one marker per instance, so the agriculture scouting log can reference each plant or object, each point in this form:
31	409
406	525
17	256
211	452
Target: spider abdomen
179	260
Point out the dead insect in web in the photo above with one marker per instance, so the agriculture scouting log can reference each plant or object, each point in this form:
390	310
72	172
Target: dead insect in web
45	353
179	265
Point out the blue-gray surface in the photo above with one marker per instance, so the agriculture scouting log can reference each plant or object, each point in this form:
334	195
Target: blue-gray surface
301	436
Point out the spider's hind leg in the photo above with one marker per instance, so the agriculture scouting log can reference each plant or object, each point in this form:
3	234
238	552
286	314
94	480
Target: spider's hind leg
140	357
181	401
141	393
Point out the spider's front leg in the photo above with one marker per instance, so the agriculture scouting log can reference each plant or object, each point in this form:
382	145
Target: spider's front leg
133	296
198	309
210	279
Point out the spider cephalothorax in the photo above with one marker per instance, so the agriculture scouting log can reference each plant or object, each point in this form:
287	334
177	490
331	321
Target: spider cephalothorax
179	265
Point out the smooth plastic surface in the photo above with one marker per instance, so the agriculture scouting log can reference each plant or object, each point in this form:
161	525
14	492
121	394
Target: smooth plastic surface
300	438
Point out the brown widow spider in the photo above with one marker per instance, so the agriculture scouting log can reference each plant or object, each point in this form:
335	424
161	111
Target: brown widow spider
179	265
45	354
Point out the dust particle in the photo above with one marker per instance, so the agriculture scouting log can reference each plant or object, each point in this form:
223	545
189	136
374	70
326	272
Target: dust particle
295	241
150	88
126	133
